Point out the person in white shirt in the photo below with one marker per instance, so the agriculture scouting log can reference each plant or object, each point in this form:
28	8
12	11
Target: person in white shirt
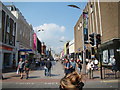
90	68
96	64
113	62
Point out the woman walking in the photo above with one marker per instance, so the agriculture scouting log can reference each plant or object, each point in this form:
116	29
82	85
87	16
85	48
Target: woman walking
21	67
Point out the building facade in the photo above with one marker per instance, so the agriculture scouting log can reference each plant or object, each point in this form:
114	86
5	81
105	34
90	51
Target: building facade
103	18
24	34
8	34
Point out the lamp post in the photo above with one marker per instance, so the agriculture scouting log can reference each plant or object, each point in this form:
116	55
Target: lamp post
83	44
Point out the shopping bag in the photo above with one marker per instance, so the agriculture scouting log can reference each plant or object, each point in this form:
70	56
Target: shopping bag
45	67
17	71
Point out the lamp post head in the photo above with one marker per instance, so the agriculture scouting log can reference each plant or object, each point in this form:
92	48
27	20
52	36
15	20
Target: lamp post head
74	6
40	30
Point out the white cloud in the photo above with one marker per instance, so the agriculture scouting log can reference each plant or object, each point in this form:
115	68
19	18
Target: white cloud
62	38
51	35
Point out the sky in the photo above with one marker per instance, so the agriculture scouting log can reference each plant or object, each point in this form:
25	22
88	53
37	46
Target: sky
55	18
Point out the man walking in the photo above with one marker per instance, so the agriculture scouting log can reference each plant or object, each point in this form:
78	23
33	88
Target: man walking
48	65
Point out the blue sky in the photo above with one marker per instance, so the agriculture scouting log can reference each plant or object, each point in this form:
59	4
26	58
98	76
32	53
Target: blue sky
56	18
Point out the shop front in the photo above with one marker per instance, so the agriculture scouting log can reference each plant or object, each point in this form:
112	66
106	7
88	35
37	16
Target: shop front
109	50
7	55
26	54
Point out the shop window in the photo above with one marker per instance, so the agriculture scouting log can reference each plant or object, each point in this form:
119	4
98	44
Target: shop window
7	57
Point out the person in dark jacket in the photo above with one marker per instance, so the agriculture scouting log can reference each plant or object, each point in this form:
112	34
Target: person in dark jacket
48	65
67	66
27	68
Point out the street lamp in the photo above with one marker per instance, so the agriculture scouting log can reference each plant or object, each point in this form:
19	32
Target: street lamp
84	53
74	6
40	30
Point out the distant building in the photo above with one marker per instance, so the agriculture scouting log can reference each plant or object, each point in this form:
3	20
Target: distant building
66	49
43	49
71	49
39	46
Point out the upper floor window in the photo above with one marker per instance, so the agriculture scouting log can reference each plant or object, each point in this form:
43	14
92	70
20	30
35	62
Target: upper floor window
20	31
14	29
8	24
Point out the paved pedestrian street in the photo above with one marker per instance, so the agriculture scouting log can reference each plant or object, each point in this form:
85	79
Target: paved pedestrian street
38	80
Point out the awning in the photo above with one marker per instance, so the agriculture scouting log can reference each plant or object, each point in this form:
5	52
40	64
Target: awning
25	50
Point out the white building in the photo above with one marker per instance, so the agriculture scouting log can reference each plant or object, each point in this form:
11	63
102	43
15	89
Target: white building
71	48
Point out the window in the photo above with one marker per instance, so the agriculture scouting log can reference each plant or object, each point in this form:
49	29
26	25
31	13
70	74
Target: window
3	26
8	24
20	32
23	34
13	40
7	38
14	29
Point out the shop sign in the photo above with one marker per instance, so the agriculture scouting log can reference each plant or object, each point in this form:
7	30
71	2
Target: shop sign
6	48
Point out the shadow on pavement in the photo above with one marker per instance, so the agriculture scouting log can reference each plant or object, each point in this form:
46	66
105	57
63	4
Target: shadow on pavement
16	76
34	76
96	77
5	78
55	74
109	74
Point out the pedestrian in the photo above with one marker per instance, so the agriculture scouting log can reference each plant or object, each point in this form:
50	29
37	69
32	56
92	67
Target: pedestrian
67	66
79	66
27	68
87	61
95	63
72	81
48	65
113	62
45	68
73	64
89	69
21	67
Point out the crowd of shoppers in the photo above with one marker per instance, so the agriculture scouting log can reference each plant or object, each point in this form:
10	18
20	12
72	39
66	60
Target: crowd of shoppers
71	65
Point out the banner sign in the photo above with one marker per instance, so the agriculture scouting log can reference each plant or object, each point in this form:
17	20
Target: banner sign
85	26
34	41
